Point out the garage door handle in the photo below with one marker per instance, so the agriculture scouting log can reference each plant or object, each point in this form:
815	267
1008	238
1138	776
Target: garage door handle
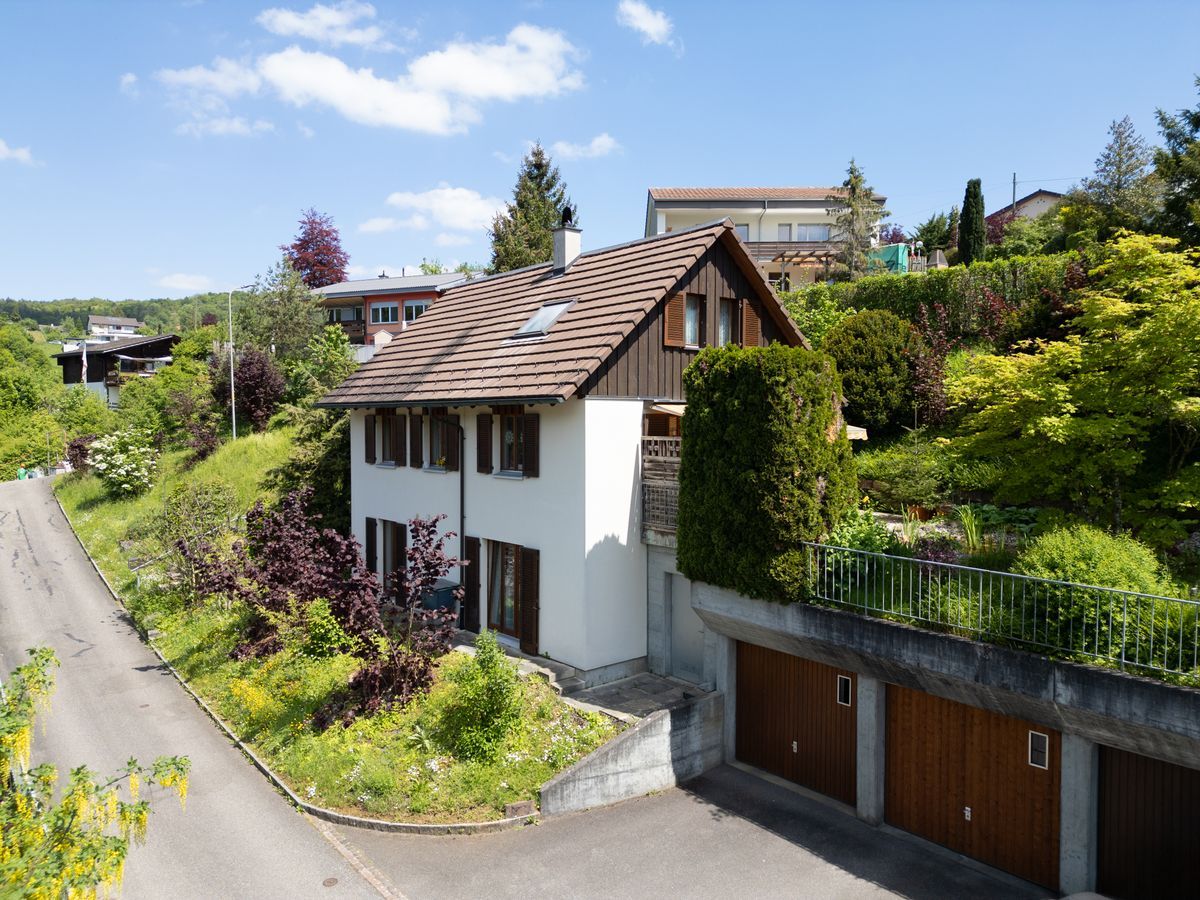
795	749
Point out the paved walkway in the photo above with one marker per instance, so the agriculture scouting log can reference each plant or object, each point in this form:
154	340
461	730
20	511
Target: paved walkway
238	837
636	696
726	835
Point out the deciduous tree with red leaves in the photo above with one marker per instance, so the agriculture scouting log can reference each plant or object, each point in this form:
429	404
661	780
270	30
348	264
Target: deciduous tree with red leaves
317	252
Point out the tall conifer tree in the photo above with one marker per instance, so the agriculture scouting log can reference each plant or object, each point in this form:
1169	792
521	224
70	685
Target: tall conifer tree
522	234
972	233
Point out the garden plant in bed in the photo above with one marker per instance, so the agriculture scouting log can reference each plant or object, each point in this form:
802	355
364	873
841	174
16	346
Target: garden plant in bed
346	685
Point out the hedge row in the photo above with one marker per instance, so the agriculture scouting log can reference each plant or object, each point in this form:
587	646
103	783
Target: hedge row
960	290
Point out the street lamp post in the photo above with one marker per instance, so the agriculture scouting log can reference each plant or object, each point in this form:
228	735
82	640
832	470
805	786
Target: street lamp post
232	393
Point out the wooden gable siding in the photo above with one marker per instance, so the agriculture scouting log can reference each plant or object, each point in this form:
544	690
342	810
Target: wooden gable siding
642	366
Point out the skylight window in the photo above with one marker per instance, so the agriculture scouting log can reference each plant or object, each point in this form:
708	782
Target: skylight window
539	323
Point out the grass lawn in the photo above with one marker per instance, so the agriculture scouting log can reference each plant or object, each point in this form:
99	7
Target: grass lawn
392	765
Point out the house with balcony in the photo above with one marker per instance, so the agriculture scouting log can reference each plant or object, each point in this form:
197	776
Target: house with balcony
368	307
111	328
518	406
790	231
105	367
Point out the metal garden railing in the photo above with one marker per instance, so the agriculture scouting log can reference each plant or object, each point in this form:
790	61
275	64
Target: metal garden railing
1122	629
660	505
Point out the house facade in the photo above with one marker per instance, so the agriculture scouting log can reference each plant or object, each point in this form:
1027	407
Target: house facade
519	406
1030	206
112	363
790	231
367	307
111	328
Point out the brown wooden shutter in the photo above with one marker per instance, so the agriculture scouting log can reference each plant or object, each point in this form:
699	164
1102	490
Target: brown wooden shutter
529	604
674	317
532	441
399	440
483	443
369	438
471	579
370	545
451	442
751	326
415	442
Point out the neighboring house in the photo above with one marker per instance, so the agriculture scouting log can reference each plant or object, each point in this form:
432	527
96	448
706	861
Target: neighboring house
386	304
519	404
111	328
114	362
1028	207
790	231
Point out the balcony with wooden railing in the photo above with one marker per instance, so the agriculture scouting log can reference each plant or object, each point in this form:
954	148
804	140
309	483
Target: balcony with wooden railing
660	487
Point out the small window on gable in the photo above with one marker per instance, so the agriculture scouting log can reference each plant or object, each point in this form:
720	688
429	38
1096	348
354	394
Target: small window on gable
691	320
843	690
1039	750
545	316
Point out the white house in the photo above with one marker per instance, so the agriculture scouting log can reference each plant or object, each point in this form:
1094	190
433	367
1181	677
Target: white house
788	230
110	328
518	406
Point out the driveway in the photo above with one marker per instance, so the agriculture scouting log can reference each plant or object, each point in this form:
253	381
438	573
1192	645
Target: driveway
725	835
238	837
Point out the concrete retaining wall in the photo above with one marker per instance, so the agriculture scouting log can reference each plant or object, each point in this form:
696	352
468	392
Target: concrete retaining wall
660	751
1136	714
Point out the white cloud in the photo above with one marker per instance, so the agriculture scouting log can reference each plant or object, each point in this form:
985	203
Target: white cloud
129	84
16	154
381	224
225	78
653	25
335	25
305	130
532	62
224	126
601	145
301	77
191	284
453	208
451	240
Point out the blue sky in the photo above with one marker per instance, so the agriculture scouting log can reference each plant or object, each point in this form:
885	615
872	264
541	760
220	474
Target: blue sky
157	148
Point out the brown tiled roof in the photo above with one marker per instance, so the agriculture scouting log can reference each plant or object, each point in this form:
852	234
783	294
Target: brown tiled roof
462	350
744	193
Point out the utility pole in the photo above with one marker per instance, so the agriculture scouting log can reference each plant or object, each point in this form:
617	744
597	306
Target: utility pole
1012	213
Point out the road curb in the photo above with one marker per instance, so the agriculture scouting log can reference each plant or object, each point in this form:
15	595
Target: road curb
318	812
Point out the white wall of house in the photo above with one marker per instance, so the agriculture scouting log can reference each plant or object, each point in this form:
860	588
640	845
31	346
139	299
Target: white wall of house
615	607
1031	209
581	514
762	227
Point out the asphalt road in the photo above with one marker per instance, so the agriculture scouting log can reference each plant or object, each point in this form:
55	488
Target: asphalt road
237	837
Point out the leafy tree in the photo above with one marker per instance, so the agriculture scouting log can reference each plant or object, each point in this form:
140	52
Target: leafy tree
523	234
1030	237
1107	417
891	233
934	232
317	252
81	411
857	215
815	310
259	386
972	234
875	352
28	439
1122	187
328	361
953	221
73	841
1177	166
432	267
282	315
320	460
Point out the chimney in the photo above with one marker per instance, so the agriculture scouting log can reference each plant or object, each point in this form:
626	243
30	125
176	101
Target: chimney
568	242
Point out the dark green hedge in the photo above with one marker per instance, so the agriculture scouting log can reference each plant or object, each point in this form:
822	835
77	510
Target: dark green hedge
1021	280
760	472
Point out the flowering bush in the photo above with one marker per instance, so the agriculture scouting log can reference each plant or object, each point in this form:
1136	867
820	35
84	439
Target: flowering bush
125	462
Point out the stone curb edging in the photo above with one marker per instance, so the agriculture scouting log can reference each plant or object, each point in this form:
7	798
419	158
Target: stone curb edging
319	812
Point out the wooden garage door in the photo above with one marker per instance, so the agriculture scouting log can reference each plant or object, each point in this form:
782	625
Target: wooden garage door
961	776
790	723
1149	821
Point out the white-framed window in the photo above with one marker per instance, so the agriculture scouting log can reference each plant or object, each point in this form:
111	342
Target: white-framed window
844	685
1039	750
414	308
743	230
385	313
812	232
691	320
785	232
